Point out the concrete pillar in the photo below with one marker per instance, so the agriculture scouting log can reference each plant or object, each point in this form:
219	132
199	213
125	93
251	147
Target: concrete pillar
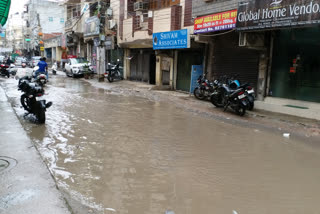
262	76
88	52
158	71
171	72
175	69
126	64
210	61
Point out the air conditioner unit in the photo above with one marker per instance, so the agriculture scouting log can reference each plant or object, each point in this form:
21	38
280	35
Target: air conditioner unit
109	12
251	40
138	6
111	24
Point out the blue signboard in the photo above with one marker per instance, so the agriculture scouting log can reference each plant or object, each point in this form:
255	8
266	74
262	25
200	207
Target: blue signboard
196	71
171	40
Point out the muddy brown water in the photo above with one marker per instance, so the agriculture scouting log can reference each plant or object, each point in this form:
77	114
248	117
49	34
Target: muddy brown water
122	154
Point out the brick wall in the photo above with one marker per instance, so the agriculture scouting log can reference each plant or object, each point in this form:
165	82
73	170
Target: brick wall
188	13
150	25
176	12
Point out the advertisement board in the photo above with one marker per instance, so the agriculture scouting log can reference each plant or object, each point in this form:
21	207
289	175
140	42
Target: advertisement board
92	26
171	40
268	14
215	22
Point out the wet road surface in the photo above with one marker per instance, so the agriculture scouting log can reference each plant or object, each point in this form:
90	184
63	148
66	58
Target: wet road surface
116	153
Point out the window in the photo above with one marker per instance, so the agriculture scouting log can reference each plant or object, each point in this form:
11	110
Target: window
76	11
50	19
62	20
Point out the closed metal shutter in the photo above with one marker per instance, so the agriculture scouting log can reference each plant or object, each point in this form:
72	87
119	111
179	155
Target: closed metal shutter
140	65
230	59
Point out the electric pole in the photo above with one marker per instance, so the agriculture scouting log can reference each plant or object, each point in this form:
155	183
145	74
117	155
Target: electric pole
101	48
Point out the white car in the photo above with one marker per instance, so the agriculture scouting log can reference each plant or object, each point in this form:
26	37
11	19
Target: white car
75	67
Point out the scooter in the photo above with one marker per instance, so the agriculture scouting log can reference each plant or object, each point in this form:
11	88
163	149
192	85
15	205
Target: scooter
41	79
54	68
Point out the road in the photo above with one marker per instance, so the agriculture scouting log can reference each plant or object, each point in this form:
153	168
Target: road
116	153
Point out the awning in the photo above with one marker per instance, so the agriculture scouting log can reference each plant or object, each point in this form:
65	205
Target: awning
4	11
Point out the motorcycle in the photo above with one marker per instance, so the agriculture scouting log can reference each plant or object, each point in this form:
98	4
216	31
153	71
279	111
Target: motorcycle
249	91
4	70
32	100
204	89
114	72
41	78
225	96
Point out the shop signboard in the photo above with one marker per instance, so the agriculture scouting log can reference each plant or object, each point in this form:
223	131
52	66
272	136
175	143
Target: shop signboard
266	14
171	40
109	43
196	71
92	26
216	22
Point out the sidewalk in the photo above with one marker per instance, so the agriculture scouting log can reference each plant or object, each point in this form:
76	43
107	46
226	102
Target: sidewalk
26	185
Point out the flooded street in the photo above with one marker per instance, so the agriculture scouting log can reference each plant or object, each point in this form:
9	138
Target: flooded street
116	153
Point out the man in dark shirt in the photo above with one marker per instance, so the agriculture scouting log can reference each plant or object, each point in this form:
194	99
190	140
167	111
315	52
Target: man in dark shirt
43	67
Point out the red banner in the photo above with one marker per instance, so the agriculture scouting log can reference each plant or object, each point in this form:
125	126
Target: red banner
215	22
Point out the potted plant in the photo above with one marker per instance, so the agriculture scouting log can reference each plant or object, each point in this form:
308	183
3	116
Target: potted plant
86	71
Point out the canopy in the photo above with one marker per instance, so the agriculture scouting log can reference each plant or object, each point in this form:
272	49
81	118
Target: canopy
4	11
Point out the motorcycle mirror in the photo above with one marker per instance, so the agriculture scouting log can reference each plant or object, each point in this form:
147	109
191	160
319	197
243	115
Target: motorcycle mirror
109	63
118	60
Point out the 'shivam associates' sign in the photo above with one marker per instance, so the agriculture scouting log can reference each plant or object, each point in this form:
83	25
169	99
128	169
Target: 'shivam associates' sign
171	40
263	14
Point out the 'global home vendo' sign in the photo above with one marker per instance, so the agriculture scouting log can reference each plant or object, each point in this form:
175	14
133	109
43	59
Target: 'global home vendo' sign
261	14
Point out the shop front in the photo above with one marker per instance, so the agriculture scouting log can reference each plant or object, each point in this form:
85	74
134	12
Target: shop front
225	56
294	65
175	57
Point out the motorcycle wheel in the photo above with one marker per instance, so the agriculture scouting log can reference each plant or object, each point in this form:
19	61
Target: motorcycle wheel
110	79
197	93
241	111
24	102
41	115
218	101
251	106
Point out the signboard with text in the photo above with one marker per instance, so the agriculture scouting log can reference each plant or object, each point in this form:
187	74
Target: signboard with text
171	40
215	22
92	26
268	14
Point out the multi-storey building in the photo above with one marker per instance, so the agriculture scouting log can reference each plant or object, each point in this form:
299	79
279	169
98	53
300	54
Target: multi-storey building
42	16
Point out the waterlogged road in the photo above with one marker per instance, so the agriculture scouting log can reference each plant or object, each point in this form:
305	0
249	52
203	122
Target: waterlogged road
115	153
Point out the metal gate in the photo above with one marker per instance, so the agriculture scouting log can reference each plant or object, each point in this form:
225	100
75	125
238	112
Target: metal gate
230	59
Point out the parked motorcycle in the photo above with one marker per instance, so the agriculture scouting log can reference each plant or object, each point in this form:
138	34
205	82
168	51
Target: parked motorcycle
204	89
4	70
249	91
114	72
32	99
225	96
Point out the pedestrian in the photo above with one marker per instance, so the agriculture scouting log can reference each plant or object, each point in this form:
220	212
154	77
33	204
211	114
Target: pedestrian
43	67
